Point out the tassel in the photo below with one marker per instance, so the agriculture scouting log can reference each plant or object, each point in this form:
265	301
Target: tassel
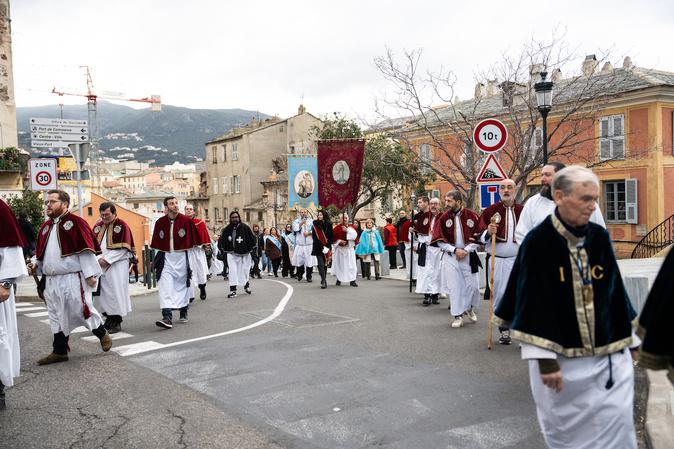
609	384
85	308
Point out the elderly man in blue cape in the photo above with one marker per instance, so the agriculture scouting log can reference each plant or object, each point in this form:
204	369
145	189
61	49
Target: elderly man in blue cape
566	303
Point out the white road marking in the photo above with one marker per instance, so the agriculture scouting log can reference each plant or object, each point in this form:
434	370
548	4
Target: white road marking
44	321
115	336
23	304
29	309
147	346
37	314
79	330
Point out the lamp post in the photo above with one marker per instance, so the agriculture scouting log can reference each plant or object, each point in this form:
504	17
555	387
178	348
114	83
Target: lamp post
543	90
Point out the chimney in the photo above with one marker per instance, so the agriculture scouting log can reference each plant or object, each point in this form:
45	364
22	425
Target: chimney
535	70
301	110
627	63
606	68
589	65
480	90
492	88
556	76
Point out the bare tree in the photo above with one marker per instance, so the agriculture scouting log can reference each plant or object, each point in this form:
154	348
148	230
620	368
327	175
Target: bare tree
422	109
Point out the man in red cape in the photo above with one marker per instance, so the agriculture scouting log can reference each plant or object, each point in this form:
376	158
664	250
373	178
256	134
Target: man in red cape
344	240
506	214
460	280
66	256
174	236
12	268
199	261
114	237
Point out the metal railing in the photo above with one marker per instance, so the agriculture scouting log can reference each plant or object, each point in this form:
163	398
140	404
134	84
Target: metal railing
659	238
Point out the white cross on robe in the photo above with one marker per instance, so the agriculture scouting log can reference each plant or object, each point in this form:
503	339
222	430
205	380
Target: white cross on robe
239	240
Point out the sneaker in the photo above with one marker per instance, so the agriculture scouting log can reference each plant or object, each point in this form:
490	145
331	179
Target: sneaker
458	322
505	338
183	319
471	316
247	290
53	358
427	301
269	273
338	283
232	295
324	284
164	323
353	284
309	279
106	342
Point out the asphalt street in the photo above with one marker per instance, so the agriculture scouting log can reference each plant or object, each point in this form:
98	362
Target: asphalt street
289	366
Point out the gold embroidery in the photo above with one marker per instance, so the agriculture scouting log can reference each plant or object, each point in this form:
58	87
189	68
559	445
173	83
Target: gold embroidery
570	352
561	275
601	272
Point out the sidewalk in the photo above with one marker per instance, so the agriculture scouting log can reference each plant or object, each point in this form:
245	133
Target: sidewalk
26	291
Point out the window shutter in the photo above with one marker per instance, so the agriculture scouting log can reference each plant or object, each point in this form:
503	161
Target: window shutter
631	205
618	125
604	149
215	185
618	144
604	127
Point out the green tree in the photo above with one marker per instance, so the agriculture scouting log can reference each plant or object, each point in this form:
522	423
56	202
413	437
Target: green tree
10	159
29	205
387	165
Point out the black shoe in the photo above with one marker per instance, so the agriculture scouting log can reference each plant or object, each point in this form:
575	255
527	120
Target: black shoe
324	284
308	279
232	295
164	323
114	328
202	296
353	284
247	290
107	323
377	277
505	338
338	283
191	300
426	302
435	299
2	401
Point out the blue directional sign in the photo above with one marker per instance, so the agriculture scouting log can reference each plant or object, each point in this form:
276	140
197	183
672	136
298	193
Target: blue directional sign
489	195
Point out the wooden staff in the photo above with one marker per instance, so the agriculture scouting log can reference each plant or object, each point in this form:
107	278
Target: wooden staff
492	262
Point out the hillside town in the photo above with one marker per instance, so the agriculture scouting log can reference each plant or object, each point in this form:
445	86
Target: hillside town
490	270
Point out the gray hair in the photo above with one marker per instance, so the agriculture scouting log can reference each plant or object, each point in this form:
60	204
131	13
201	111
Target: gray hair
568	177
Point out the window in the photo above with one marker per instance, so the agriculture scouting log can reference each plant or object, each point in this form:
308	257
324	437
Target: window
235	152
225	184
90	211
206	214
535	145
612	137
425	157
215	185
214	151
247	217
135	205
224	152
225	212
259	216
280	129
435	193
217	214
237	184
620	201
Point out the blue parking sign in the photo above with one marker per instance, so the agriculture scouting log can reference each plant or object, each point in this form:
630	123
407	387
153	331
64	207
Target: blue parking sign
489	195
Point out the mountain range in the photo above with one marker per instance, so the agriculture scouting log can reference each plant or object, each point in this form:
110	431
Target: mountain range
174	134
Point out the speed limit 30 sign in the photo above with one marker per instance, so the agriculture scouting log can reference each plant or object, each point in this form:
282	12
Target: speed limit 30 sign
42	173
490	135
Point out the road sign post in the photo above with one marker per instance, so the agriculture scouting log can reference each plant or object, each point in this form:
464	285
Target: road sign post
42	174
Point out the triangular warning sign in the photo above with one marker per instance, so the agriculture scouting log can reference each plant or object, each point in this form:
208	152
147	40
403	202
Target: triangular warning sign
491	171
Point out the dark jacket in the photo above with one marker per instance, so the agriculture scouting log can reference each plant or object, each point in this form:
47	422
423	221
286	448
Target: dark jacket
317	247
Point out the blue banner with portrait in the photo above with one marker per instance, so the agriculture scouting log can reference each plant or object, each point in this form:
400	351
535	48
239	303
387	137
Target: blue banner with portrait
302	181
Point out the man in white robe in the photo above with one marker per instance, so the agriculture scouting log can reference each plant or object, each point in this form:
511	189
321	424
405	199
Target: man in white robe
116	242
460	280
12	269
173	236
66	256
428	276
344	253
304	242
541	205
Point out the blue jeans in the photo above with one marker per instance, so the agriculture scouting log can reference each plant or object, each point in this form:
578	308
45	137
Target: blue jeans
266	263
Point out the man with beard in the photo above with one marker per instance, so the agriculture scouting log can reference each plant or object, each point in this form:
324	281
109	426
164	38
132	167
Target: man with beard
174	236
114	237
505	215
198	256
322	240
565	302
12	269
66	256
344	242
304	243
428	251
256	253
540	206
454	234
237	241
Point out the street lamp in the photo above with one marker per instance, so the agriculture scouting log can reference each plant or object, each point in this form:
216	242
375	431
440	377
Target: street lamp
543	90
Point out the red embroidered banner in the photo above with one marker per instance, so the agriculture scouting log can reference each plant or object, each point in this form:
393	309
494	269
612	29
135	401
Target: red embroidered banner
340	166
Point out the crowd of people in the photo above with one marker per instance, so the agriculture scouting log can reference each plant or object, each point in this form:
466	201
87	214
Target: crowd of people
556	289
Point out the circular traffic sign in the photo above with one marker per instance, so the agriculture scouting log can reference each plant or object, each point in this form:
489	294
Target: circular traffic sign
490	135
43	178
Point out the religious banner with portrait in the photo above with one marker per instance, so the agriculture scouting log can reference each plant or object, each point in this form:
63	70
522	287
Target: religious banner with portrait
302	175
340	165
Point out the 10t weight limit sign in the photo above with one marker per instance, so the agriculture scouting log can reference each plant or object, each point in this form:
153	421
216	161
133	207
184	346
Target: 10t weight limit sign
490	135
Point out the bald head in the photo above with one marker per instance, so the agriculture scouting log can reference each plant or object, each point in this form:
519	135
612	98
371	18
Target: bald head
507	191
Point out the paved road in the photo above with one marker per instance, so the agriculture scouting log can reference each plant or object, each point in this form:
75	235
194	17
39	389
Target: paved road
338	368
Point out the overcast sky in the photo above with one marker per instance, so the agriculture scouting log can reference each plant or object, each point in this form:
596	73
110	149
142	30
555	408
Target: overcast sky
268	55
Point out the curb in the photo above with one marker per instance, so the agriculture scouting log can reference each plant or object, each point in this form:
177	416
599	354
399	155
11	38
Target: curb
660	411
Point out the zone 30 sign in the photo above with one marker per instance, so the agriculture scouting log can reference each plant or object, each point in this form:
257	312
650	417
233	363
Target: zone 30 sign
42	174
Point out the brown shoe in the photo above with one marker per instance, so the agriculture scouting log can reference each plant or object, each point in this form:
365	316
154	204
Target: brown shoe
53	358
106	342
